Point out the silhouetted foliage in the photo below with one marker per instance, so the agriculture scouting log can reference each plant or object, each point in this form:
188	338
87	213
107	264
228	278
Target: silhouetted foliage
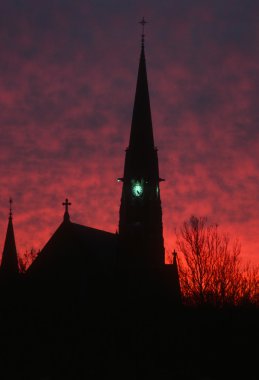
27	258
211	269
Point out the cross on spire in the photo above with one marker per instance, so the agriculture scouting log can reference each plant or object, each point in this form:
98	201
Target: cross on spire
66	204
143	22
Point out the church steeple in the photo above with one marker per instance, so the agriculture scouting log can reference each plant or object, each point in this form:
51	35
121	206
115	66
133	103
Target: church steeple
141	161
140	211
9	263
141	136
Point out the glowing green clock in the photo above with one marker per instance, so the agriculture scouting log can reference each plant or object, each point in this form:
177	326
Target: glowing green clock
137	189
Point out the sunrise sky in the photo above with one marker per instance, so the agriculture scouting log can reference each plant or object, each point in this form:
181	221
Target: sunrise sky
67	81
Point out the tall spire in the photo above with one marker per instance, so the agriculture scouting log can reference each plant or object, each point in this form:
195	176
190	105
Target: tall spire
9	264
141	136
140	225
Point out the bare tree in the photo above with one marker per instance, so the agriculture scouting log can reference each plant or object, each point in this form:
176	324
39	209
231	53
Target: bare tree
27	258
250	285
211	269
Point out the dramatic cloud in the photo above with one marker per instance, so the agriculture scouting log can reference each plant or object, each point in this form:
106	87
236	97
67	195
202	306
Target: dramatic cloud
68	75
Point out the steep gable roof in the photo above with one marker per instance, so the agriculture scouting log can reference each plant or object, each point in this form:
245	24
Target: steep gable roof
73	250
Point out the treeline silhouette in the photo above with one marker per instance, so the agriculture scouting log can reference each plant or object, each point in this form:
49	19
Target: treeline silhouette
211	269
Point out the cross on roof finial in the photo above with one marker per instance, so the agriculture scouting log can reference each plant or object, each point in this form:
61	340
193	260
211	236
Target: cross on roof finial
66	214
174	257
143	22
66	204
10	207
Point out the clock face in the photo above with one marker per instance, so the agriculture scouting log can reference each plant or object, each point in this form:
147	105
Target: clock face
137	189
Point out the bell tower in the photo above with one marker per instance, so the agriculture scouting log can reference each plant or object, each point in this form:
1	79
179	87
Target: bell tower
140	224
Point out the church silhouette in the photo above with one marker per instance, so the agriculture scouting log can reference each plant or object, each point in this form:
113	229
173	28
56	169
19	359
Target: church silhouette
92	283
135	255
97	305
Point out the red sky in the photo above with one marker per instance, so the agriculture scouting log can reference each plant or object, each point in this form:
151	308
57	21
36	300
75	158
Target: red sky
67	82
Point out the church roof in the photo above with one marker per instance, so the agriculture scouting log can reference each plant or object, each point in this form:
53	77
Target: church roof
74	250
